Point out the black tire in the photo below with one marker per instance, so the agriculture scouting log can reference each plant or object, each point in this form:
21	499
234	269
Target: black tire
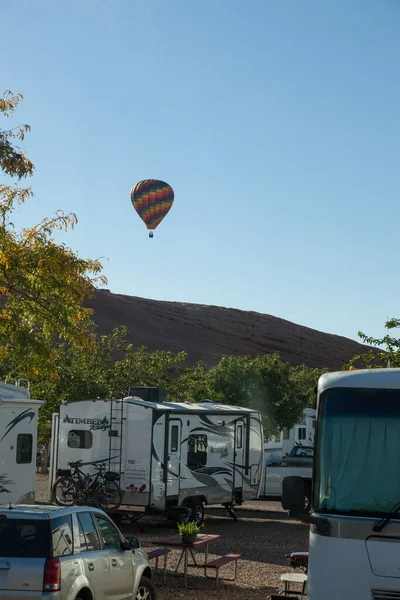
307	500
196	507
108	496
146	590
65	492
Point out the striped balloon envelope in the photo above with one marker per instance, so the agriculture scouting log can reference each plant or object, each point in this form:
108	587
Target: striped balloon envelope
152	200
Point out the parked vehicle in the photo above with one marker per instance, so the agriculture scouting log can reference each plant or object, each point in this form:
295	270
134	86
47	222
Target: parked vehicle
300	455
169	455
355	521
277	447
69	554
18	443
272	483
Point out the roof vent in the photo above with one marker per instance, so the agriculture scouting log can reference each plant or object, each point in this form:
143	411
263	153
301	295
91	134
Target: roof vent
205	400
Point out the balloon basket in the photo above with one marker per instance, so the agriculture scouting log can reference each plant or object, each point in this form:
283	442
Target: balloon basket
151	234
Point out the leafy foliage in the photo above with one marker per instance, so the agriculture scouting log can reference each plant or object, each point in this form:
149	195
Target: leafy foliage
265	383
387	351
42	284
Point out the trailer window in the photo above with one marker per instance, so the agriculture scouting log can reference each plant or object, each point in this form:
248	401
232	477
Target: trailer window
239	437
301	433
286	434
80	438
197	451
174	438
24	448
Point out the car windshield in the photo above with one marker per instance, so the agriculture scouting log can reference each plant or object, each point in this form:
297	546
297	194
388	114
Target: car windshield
357	452
24	538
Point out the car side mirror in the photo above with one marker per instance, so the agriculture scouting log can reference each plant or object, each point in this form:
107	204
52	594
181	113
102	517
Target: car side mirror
130	543
293	494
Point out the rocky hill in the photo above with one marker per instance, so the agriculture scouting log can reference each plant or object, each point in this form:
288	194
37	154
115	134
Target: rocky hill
208	332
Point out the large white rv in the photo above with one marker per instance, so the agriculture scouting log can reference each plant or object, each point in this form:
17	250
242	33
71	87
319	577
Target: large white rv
168	454
355	519
18	442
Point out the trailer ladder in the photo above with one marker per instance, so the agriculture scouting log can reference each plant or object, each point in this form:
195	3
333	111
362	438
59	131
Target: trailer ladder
115	436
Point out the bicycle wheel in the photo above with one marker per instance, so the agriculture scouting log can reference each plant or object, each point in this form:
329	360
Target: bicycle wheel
108	496
65	492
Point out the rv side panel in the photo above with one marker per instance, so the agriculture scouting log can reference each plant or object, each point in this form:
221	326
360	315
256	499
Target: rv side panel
136	456
83	433
18	443
207	457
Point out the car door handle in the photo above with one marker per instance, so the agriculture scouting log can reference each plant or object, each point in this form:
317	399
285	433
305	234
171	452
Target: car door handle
114	562
91	566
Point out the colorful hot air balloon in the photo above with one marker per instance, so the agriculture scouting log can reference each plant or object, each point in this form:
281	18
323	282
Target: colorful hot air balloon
152	200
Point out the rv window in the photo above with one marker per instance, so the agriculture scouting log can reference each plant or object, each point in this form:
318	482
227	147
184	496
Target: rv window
80	438
286	434
197	451
62	536
24	448
301	433
174	438
239	437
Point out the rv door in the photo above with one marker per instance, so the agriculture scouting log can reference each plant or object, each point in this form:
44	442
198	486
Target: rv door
174	457
240	454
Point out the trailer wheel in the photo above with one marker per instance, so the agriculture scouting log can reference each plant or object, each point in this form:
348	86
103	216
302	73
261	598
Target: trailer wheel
196	507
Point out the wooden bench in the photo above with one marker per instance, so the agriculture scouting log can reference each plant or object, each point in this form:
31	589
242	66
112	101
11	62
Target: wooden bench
221	562
156	554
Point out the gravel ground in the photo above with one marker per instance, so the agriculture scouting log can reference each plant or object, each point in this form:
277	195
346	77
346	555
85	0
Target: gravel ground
262	535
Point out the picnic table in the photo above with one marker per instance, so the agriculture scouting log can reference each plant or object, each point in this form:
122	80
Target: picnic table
175	541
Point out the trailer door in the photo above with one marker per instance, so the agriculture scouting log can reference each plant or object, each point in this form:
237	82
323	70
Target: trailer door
174	458
240	455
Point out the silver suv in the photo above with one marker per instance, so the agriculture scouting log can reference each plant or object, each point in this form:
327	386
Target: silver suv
77	553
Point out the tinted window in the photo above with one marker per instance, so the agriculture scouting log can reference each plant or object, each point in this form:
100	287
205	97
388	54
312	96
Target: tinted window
24	538
239	437
301	433
88	534
80	438
109	535
62	538
24	448
174	438
197	451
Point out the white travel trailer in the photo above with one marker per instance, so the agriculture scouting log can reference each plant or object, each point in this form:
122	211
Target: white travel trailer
301	434
18	442
168	454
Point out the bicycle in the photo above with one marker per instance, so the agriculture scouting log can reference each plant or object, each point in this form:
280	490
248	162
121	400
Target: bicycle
77	487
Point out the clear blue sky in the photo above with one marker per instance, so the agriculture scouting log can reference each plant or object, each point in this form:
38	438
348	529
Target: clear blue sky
275	121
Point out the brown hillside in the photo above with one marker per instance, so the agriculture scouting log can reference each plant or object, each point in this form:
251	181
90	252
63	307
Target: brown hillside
208	332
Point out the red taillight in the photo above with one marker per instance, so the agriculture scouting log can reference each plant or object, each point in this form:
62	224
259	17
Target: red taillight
52	575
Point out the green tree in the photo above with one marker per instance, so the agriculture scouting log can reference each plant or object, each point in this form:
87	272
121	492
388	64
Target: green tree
42	284
305	380
264	383
111	366
385	351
